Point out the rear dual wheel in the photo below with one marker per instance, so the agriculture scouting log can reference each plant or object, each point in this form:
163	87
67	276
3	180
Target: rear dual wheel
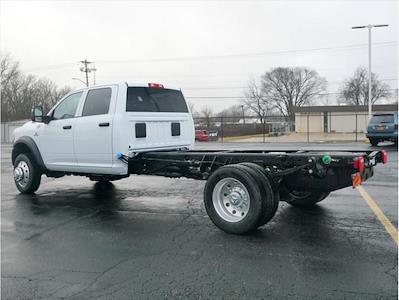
270	194
239	198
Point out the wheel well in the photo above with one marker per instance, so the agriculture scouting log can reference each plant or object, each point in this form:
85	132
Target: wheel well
18	149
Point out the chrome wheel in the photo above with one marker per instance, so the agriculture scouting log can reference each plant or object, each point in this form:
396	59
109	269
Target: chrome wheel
231	199
22	174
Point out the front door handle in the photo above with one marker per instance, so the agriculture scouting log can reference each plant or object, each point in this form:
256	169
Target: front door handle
105	124
67	127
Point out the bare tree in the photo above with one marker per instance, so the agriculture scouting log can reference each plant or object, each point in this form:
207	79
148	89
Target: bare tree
355	90
233	113
19	92
191	106
207	114
255	100
8	69
287	88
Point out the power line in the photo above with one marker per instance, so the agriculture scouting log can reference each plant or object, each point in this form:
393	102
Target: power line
239	55
279	52
249	73
222	98
245	87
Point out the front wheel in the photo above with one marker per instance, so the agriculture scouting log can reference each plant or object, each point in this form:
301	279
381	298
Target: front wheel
305	198
27	174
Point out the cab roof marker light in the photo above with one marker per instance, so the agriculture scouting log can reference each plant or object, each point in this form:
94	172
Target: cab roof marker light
155	85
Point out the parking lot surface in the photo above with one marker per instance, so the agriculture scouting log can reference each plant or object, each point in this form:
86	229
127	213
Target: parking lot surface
149	237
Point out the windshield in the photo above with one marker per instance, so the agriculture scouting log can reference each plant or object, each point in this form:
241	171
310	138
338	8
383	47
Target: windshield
379	119
142	99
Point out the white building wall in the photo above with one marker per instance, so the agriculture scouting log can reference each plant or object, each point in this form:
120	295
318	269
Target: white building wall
339	122
315	122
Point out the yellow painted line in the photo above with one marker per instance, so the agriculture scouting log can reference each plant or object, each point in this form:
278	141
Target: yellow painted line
378	212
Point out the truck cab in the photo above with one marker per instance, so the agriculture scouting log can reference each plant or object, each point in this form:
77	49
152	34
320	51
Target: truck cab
86	129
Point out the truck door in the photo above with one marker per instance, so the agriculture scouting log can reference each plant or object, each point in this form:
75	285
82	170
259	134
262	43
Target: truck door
93	131
56	137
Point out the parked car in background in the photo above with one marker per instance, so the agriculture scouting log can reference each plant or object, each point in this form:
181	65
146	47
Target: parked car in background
213	135
383	127
201	136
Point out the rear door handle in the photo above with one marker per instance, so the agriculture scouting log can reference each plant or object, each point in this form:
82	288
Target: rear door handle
105	124
67	127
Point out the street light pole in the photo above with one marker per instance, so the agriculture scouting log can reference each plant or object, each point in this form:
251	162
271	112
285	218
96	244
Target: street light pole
369	26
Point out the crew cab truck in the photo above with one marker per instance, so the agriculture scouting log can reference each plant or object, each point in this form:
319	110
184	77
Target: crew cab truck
111	131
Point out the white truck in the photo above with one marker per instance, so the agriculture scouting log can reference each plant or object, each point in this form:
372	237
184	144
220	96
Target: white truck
111	131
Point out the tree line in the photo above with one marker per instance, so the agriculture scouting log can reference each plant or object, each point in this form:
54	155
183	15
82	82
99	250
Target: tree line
277	91
20	92
281	89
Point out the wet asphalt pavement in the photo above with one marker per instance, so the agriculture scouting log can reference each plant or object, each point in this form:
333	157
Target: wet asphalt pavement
150	238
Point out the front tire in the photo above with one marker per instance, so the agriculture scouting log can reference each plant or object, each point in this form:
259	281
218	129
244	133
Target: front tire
305	199
27	175
233	200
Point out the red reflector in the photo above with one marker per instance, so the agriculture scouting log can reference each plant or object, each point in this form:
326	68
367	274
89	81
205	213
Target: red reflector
358	164
155	85
356	180
384	156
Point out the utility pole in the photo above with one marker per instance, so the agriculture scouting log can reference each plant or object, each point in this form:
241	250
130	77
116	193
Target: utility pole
369	28
85	68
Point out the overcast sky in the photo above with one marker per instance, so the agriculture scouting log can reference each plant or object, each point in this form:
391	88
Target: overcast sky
206	48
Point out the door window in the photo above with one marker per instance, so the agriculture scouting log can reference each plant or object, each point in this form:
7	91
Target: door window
67	108
97	102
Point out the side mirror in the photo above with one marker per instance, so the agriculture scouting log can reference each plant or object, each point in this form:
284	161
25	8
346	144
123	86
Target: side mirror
37	114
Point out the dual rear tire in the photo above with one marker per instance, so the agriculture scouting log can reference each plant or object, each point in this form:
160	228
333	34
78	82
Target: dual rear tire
240	198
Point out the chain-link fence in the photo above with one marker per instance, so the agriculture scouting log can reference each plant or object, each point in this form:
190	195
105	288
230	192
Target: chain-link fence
305	127
312	127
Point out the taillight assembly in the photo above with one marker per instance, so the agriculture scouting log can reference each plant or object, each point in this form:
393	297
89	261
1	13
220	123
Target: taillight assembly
396	127
384	156
155	85
358	164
